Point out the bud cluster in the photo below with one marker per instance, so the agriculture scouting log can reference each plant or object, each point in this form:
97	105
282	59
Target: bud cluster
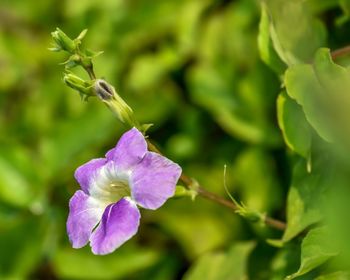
93	87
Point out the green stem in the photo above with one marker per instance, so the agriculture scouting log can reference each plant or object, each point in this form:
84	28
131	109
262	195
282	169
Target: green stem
202	192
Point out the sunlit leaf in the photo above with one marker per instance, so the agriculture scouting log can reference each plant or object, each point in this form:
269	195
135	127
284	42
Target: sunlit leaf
303	86
316	249
266	48
296	130
339	275
294	45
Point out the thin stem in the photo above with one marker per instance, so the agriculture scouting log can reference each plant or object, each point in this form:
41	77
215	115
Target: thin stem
202	192
340	52
91	72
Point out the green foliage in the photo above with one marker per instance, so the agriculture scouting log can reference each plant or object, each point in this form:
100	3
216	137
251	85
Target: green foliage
295	33
266	48
247	83
315	250
305	198
68	264
221	266
339	275
326	100
297	137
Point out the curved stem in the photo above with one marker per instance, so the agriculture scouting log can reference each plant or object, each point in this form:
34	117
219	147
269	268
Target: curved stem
202	192
91	72
340	52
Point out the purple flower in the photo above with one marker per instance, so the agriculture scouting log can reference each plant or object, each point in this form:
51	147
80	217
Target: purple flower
105	211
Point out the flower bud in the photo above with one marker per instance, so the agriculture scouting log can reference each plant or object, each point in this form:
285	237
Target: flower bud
63	42
116	104
84	87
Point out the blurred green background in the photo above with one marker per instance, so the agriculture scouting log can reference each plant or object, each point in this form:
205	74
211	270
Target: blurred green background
191	67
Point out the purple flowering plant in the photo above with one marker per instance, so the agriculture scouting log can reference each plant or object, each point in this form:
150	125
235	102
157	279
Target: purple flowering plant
105	211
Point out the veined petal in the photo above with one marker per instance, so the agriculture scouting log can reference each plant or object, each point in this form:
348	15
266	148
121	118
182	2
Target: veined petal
86	173
129	151
153	180
120	222
84	214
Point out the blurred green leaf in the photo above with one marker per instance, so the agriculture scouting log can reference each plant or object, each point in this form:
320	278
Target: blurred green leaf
345	6
82	264
255	177
21	247
316	249
339	275
18	181
213	232
294	45
70	138
285	262
306	197
296	130
335	81
303	86
322	89
222	266
267	52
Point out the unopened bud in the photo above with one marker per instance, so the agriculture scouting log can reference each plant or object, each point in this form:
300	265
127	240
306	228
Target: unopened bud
104	90
73	81
63	42
118	106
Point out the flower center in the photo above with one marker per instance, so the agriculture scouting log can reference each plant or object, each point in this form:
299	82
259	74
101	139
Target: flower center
110	185
118	190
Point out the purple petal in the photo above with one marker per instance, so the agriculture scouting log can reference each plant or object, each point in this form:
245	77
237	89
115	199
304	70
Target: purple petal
84	214
87	172
130	149
154	180
120	222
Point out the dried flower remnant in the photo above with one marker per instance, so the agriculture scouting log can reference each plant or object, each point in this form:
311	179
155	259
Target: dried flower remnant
105	210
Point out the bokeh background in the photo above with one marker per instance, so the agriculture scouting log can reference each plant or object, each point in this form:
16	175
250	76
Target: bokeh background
192	68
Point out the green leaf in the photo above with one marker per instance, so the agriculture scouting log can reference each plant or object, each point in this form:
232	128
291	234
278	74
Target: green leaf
322	89
19	182
345	6
267	52
335	81
69	139
316	249
82	264
305	198
21	245
319	7
213	232
285	261
303	86
332	77
339	275
241	110
14	188
294	45
296	130
222	266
